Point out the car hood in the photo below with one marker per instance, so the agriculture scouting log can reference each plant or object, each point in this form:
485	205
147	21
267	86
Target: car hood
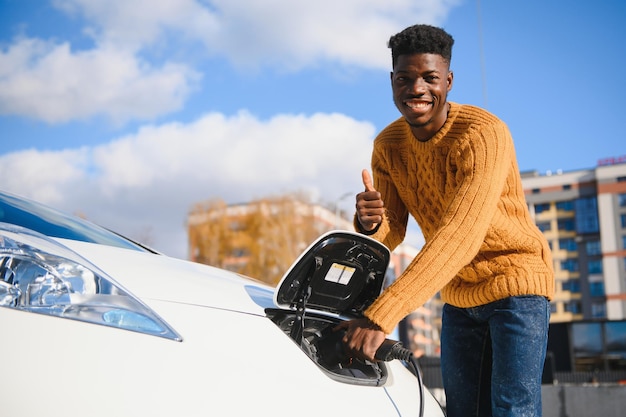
158	277
341	273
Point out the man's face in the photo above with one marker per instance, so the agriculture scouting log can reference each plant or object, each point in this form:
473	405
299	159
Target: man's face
420	84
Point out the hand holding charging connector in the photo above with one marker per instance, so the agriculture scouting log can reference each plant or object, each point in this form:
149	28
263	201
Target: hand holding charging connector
332	349
364	339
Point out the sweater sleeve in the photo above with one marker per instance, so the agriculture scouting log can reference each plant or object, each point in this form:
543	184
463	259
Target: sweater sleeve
483	164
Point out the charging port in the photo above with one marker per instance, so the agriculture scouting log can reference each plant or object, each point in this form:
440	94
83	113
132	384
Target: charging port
324	347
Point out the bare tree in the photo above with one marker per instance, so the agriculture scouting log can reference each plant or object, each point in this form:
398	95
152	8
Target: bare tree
260	239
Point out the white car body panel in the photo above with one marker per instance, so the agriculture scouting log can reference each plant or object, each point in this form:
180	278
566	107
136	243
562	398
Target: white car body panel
87	374
232	359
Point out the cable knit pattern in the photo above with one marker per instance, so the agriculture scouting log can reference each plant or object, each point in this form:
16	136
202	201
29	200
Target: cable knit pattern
464	189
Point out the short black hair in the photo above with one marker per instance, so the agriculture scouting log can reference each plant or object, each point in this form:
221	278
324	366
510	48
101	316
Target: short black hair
421	39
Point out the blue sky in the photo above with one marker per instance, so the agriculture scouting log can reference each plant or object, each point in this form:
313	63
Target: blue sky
130	112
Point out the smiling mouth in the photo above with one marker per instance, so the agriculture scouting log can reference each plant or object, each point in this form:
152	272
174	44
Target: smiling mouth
417	105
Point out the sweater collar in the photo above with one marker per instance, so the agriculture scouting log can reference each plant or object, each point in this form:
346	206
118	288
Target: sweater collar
453	111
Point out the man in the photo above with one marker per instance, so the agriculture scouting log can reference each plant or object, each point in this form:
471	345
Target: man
453	168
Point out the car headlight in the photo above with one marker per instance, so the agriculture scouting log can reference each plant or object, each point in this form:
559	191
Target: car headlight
40	275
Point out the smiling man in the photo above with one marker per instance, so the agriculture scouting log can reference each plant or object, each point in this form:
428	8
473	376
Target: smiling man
453	168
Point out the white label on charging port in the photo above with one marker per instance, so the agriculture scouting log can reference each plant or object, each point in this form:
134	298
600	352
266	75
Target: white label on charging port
340	274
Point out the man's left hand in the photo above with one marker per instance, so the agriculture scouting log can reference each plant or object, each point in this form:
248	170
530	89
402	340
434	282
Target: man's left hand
363	338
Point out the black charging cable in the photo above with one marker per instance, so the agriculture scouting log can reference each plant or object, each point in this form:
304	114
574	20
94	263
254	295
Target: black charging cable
392	349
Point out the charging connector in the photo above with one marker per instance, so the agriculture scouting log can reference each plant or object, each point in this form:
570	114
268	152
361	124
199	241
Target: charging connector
333	350
392	349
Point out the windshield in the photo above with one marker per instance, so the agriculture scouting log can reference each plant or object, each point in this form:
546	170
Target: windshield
53	223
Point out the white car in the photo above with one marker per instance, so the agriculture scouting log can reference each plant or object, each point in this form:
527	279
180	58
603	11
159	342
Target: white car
93	324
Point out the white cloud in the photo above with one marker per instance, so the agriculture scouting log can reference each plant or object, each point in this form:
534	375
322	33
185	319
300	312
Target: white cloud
149	180
53	82
50	82
137	23
242	150
293	34
264	32
43	175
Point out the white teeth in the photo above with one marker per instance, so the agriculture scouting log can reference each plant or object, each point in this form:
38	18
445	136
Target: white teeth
417	105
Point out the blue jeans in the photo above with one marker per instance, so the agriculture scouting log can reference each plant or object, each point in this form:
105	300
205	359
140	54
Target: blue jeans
492	357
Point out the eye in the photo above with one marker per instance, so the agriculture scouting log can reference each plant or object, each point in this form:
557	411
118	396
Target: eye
401	79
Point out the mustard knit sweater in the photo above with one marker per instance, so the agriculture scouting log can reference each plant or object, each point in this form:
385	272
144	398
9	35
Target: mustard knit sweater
464	190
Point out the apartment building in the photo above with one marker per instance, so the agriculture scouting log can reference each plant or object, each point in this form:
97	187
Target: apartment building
260	238
582	213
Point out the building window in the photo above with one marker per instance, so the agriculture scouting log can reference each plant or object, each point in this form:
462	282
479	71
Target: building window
544	226
569	245
572	285
567	186
623	242
587	215
540	208
623	220
593	247
622	199
595	266
565	205
596	289
621	179
586	345
598	310
614	342
572	307
236	226
239	252
570	265
567	225
536	190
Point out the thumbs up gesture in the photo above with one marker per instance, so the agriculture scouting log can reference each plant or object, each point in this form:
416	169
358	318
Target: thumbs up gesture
369	205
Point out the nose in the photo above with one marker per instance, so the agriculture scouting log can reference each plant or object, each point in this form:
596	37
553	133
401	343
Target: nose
418	86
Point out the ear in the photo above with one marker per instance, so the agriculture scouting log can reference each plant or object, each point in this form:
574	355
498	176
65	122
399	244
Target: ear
391	77
450	79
